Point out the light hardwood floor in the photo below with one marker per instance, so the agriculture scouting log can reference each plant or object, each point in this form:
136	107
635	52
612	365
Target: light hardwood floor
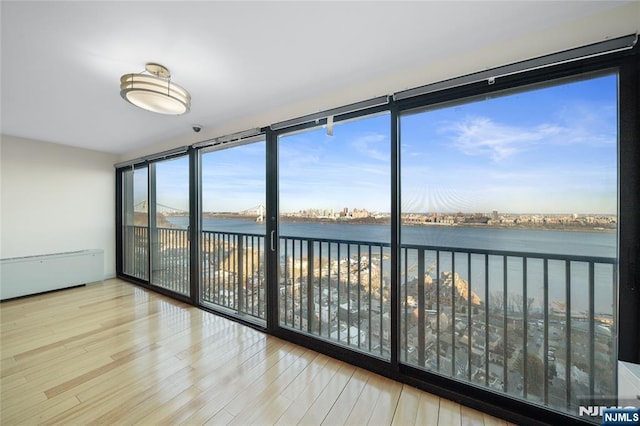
114	353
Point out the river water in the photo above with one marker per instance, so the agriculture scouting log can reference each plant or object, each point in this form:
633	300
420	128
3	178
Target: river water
596	244
601	244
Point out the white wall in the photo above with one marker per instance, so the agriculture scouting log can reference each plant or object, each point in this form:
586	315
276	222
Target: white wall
55	199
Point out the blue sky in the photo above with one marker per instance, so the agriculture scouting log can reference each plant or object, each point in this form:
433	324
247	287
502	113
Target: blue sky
349	169
234	179
550	150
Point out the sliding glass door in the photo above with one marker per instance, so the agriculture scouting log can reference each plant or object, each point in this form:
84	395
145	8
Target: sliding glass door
233	229
334	253
135	220
508	240
169	223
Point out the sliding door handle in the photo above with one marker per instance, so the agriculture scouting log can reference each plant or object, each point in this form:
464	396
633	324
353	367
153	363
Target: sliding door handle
273	240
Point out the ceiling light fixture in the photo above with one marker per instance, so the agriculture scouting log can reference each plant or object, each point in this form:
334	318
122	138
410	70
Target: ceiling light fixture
154	91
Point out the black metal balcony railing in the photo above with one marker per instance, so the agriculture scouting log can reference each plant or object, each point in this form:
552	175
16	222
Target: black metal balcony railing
169	256
532	325
233	273
337	290
170	259
136	251
472	315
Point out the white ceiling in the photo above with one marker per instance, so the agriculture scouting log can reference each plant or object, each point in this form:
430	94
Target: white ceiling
245	63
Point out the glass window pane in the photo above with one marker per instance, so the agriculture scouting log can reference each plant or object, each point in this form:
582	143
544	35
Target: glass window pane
233	230
508	210
169	229
135	222
334	202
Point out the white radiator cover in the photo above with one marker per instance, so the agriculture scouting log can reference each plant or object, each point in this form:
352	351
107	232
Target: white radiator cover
22	276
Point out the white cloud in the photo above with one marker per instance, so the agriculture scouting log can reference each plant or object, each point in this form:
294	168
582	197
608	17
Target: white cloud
481	136
588	123
373	146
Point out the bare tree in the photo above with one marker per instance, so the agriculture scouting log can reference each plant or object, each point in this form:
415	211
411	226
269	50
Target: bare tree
496	301
517	303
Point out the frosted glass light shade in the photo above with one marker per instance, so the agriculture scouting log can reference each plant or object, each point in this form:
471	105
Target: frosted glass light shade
154	93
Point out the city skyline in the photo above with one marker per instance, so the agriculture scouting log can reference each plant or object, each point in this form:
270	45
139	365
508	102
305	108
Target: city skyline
546	151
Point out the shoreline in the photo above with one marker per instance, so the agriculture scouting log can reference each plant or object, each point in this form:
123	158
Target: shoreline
386	221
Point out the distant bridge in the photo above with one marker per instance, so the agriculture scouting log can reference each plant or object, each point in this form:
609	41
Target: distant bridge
257	211
143	206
